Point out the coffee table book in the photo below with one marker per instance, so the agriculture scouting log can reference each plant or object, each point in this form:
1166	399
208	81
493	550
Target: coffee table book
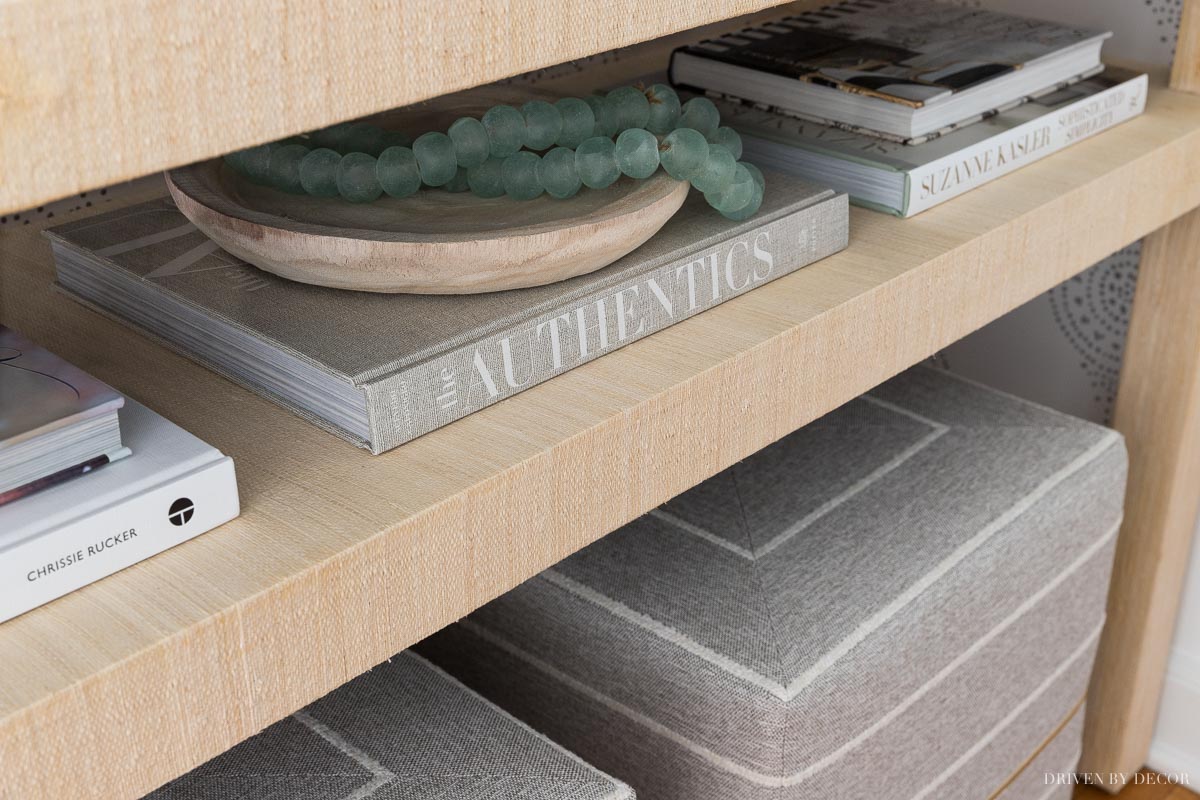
907	179
56	421
379	370
172	488
904	69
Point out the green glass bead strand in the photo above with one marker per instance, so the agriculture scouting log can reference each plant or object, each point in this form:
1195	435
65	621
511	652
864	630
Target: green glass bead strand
605	115
520	176
700	114
664	109
471	144
578	122
558	174
718	170
735	194
543	124
751	208
459	182
356	181
636	151
597	163
436	158
683	153
729	139
630	106
283	168
318	172
506	130
487	179
397	172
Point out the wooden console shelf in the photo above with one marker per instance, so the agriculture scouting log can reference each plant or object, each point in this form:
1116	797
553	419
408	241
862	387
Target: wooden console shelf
104	91
341	559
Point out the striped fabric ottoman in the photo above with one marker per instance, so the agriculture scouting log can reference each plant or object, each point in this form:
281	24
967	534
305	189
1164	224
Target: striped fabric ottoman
403	731
900	600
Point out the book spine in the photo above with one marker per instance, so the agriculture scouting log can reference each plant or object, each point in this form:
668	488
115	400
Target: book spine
57	562
430	395
952	175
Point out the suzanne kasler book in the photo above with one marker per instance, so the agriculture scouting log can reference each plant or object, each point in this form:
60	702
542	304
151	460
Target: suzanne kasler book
171	489
898	68
380	369
908	179
56	421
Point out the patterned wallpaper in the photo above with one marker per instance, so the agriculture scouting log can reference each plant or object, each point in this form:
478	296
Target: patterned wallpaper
1064	348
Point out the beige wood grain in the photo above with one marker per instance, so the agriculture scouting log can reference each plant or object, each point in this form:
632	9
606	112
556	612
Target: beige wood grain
431	243
97	91
1158	411
340	559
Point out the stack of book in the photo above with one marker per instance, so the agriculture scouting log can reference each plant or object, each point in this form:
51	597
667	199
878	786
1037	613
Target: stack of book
905	105
381	369
91	482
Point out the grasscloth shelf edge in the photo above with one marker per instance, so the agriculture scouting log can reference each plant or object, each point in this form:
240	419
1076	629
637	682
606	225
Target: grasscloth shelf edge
341	559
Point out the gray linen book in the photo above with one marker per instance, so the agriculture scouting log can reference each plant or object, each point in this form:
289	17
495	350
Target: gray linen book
379	369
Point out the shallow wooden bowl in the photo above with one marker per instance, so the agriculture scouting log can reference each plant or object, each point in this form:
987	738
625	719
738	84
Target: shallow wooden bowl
434	242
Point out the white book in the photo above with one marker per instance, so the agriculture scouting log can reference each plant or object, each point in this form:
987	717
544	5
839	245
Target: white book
899	68
171	489
907	179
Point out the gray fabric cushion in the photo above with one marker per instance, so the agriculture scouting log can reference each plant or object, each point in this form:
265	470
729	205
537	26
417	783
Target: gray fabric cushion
901	599
1048	774
403	731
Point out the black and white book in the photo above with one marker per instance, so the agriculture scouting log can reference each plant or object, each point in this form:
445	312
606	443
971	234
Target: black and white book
380	369
908	179
904	69
56	421
172	488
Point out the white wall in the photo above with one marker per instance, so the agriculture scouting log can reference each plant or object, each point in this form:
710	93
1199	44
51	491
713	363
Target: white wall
1064	349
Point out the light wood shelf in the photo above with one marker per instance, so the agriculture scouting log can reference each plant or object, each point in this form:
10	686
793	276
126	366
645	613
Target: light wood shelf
98	92
341	559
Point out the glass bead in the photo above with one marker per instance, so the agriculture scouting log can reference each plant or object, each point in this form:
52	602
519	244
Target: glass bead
519	172
578	121
596	162
605	115
356	179
435	158
459	182
543	124
631	107
364	138
664	109
471	144
751	208
557	173
397	171
318	172
396	139
718	170
729	139
683	153
700	114
256	163
284	167
636	151
735	194
487	179
331	137
755	173
506	130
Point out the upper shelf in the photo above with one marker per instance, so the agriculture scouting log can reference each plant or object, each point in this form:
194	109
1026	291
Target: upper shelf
341	559
95	93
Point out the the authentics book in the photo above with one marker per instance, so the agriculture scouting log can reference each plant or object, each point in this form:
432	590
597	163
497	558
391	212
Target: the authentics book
908	179
56	421
171	489
905	69
380	370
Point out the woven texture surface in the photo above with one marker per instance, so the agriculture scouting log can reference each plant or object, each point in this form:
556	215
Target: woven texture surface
901	599
403	731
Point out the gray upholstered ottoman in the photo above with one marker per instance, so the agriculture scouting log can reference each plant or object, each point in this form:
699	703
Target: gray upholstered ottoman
900	600
403	731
